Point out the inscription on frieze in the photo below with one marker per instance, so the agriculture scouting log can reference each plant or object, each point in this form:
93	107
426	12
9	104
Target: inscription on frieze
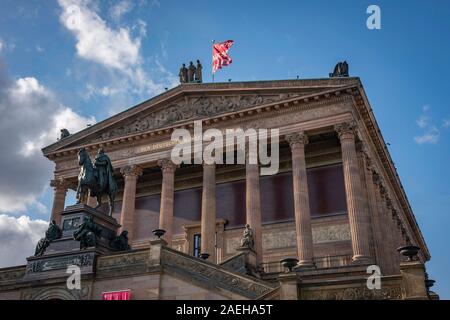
55	263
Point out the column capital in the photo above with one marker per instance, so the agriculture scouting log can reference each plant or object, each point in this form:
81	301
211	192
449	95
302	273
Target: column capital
167	165
346	130
59	184
132	170
296	139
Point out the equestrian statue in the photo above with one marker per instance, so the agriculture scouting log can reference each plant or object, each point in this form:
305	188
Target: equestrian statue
96	177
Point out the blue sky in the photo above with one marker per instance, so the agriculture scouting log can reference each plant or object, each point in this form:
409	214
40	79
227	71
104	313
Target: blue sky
114	54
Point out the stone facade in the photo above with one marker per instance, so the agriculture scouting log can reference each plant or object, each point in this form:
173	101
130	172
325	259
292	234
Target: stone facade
322	123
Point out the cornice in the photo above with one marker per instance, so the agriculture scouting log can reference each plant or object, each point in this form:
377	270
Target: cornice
304	102
365	111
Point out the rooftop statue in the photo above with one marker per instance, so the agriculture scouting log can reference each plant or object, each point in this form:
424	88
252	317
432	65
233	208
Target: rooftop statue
97	177
191	72
340	70
64	134
183	74
198	72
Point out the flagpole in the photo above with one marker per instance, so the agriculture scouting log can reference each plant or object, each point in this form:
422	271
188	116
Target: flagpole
212	60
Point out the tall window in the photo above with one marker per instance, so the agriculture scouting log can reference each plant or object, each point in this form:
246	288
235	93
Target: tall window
197	249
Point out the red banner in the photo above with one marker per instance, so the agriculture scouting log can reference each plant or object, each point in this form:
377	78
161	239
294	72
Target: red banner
117	295
220	55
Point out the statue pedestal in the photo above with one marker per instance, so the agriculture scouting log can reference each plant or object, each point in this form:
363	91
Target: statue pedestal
66	251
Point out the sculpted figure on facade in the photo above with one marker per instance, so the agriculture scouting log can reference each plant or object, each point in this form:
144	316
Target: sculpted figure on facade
53	232
87	233
120	242
248	240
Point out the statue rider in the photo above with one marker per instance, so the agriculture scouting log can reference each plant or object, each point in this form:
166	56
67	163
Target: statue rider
105	170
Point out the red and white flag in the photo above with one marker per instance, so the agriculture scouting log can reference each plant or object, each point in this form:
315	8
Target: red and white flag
220	55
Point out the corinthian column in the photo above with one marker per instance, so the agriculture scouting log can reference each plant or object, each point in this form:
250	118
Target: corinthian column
208	227
253	206
354	192
130	174
297	142
59	199
167	194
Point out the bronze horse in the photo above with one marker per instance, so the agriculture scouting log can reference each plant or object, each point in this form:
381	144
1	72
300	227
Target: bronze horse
97	178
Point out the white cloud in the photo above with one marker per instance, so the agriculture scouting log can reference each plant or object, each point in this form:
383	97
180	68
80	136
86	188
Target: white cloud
18	238
1	45
423	121
31	119
96	41
430	133
120	9
116	49
102	91
429	137
446	123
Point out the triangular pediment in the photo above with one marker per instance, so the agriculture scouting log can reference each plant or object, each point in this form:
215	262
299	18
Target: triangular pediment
186	103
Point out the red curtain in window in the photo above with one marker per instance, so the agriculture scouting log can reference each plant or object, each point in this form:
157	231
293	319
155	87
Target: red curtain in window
117	295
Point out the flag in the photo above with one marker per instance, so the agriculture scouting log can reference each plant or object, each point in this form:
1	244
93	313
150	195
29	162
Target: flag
220	55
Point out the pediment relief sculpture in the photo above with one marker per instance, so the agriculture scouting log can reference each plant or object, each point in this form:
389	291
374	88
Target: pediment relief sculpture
190	109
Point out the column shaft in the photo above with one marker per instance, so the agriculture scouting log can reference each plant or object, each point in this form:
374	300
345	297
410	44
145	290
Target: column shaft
297	143
379	238
127	215
167	195
253	206
59	199
208	223
353	189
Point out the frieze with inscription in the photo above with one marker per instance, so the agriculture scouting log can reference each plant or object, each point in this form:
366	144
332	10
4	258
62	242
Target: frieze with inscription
55	263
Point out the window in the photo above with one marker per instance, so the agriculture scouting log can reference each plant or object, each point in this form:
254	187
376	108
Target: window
197	249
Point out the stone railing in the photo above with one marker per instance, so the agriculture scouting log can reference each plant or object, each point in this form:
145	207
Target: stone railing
213	275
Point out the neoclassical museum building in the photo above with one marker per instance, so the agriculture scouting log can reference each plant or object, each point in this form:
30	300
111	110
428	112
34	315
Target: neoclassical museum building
327	223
